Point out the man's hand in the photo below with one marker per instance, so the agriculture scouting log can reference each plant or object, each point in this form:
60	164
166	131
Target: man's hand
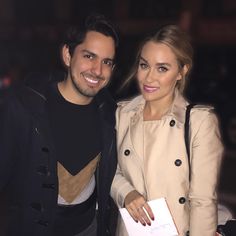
135	205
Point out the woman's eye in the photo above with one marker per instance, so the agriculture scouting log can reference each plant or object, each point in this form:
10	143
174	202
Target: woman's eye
143	65
162	69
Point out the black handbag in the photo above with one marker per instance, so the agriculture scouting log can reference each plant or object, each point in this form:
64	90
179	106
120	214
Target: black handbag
229	229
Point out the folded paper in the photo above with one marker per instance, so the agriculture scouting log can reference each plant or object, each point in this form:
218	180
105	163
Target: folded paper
163	225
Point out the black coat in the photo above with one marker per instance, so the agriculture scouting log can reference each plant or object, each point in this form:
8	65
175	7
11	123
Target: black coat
28	167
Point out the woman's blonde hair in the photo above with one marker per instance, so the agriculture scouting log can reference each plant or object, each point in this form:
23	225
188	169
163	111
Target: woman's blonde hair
178	41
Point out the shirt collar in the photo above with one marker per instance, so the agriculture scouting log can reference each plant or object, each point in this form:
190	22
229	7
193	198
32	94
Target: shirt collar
177	109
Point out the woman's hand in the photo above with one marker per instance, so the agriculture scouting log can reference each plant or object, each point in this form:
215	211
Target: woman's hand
135	205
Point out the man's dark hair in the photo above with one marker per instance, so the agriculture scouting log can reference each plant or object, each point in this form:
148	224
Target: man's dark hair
75	35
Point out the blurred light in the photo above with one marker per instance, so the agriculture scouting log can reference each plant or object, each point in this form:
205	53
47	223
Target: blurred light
5	82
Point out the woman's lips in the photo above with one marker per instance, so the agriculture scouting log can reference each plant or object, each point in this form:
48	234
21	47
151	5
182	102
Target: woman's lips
150	89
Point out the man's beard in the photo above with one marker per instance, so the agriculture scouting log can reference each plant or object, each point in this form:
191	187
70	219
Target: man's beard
90	93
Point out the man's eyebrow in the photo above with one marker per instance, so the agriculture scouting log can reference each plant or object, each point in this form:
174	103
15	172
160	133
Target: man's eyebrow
95	55
89	52
141	58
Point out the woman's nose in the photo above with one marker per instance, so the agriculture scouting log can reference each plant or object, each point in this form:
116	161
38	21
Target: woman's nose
150	77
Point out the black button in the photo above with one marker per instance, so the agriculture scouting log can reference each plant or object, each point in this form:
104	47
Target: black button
172	123
42	222
45	149
43	170
50	186
182	200
37	206
37	131
101	105
187	233
178	162
127	152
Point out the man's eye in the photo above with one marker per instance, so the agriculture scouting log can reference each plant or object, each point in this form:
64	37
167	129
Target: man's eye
143	65
108	63
162	69
88	56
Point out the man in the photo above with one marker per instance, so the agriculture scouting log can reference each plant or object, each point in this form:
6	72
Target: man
57	142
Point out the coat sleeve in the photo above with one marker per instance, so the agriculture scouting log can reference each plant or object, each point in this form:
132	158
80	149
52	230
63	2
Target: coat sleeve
8	147
206	156
120	185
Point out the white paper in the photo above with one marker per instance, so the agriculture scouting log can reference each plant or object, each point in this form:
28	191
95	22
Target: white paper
163	225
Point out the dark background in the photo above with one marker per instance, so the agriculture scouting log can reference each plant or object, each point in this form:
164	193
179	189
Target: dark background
30	33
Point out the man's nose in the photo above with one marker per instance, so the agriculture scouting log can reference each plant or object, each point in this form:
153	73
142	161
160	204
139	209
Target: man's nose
97	68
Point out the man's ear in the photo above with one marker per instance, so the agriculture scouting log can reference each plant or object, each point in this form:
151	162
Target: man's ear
66	58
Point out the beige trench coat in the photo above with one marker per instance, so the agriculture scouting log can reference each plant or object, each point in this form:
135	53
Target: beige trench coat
162	170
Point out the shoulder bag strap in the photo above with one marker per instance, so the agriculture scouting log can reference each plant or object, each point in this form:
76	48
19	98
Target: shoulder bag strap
186	134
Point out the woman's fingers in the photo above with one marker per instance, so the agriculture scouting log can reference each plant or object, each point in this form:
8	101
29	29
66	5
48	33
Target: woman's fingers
133	213
138	215
145	214
138	208
143	218
149	211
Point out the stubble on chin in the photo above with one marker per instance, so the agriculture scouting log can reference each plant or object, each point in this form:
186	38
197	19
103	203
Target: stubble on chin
86	92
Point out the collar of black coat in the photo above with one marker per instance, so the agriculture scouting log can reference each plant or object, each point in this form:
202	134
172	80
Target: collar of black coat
34	93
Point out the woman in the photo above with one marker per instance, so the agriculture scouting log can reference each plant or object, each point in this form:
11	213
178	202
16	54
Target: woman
152	158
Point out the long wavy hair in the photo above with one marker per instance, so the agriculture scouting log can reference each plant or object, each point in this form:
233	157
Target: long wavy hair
178	41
